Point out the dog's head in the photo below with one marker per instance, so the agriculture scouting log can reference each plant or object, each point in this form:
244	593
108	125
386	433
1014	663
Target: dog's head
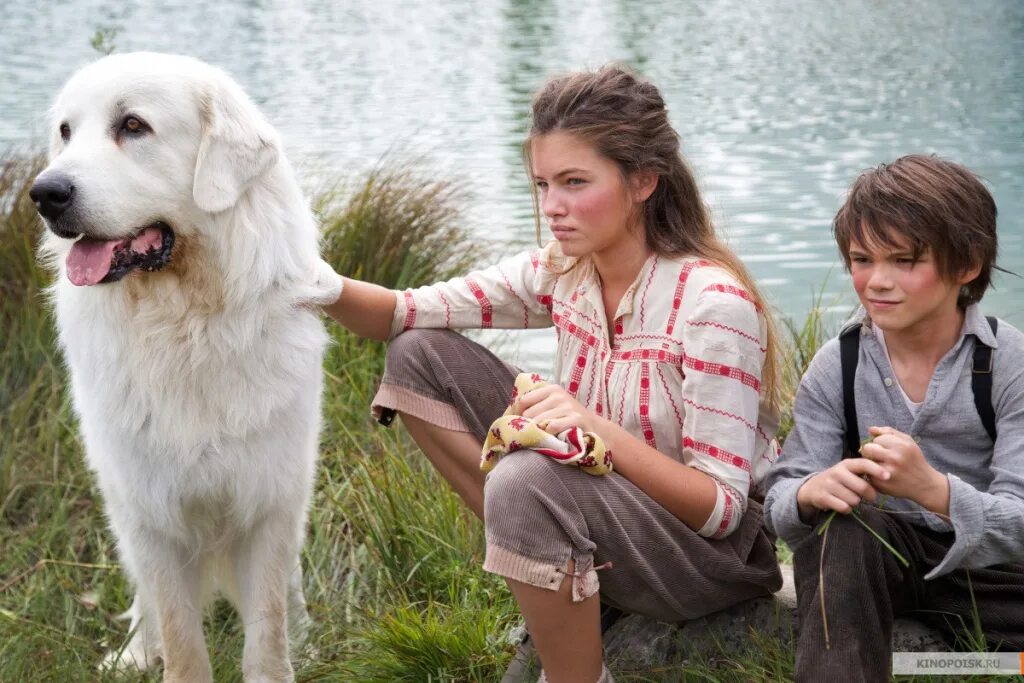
145	147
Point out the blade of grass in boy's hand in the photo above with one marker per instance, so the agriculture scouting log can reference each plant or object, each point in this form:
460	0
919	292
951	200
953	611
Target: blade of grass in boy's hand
828	520
874	533
824	525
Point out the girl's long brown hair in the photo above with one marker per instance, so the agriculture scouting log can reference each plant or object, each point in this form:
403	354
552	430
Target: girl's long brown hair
626	120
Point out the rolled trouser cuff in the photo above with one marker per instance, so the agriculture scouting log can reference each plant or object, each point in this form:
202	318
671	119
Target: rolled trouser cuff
408	402
542	573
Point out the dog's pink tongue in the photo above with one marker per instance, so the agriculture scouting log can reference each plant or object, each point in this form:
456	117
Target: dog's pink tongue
89	260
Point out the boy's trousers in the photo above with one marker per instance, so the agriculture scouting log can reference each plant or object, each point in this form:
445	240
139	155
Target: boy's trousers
866	587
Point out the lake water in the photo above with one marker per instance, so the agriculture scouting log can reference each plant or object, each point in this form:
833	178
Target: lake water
779	103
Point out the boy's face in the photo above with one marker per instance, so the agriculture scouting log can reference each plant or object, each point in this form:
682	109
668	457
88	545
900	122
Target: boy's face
901	294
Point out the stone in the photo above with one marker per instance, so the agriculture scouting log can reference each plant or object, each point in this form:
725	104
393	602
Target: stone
638	643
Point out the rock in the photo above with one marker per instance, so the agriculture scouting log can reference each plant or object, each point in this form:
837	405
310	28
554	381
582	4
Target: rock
637	643
913	636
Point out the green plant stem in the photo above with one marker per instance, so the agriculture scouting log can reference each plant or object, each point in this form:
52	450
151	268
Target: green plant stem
896	553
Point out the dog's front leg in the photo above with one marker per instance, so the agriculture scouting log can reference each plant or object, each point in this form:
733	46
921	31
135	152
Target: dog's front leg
142	651
169	576
264	563
298	618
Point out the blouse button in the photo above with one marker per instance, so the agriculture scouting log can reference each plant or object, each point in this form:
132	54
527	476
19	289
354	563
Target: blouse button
888	381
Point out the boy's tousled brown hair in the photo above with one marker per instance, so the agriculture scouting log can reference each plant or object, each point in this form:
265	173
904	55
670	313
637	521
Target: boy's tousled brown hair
625	118
937	206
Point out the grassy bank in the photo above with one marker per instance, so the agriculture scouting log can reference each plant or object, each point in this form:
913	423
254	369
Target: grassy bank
392	560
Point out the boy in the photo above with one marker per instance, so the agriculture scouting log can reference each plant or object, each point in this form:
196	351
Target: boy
918	237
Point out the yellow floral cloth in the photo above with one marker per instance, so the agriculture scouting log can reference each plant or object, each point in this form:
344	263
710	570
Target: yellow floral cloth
512	432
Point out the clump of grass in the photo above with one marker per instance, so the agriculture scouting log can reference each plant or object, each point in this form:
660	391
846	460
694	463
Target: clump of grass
20	227
432	642
396	227
25	332
35	423
802	343
387	534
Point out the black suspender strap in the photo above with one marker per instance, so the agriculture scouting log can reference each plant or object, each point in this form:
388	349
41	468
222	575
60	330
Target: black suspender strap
849	348
981	381
981	385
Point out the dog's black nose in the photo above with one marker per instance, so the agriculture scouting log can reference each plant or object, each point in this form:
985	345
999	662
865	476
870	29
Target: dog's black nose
52	195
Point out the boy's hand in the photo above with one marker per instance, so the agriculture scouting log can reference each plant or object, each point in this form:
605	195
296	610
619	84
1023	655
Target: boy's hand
910	475
841	487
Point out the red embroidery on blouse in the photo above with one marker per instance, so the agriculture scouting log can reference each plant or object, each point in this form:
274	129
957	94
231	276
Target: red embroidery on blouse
717	453
726	518
647	287
735	291
512	291
410	311
718	411
668	393
625	383
447	310
739	333
486	312
677	296
645	405
721	370
660	355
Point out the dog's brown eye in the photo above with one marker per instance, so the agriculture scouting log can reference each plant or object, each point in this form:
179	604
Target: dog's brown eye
133	125
65	132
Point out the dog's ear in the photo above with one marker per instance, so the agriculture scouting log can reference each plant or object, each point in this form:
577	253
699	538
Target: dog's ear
237	146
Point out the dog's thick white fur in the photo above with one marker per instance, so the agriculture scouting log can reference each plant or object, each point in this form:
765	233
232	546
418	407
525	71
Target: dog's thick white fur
198	385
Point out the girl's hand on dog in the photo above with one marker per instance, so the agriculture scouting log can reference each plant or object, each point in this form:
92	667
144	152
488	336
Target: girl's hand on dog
910	475
554	409
841	487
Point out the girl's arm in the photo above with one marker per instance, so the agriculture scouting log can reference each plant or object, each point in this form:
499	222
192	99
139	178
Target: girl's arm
502	296
686	492
365	308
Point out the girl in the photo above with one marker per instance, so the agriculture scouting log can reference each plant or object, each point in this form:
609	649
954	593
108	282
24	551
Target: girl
665	351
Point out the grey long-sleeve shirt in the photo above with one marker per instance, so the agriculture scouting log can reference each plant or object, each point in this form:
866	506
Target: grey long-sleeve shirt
986	480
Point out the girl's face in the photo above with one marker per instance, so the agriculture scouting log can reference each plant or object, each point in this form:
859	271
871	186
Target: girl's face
582	194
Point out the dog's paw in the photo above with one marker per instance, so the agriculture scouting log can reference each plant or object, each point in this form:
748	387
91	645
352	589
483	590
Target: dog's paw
131	660
323	286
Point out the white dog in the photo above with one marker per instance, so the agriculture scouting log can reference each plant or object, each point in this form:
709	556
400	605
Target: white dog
186	258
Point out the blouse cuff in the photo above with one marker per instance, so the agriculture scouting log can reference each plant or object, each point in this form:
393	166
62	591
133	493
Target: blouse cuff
405	306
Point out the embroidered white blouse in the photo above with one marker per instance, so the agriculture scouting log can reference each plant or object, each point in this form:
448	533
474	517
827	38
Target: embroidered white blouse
682	370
